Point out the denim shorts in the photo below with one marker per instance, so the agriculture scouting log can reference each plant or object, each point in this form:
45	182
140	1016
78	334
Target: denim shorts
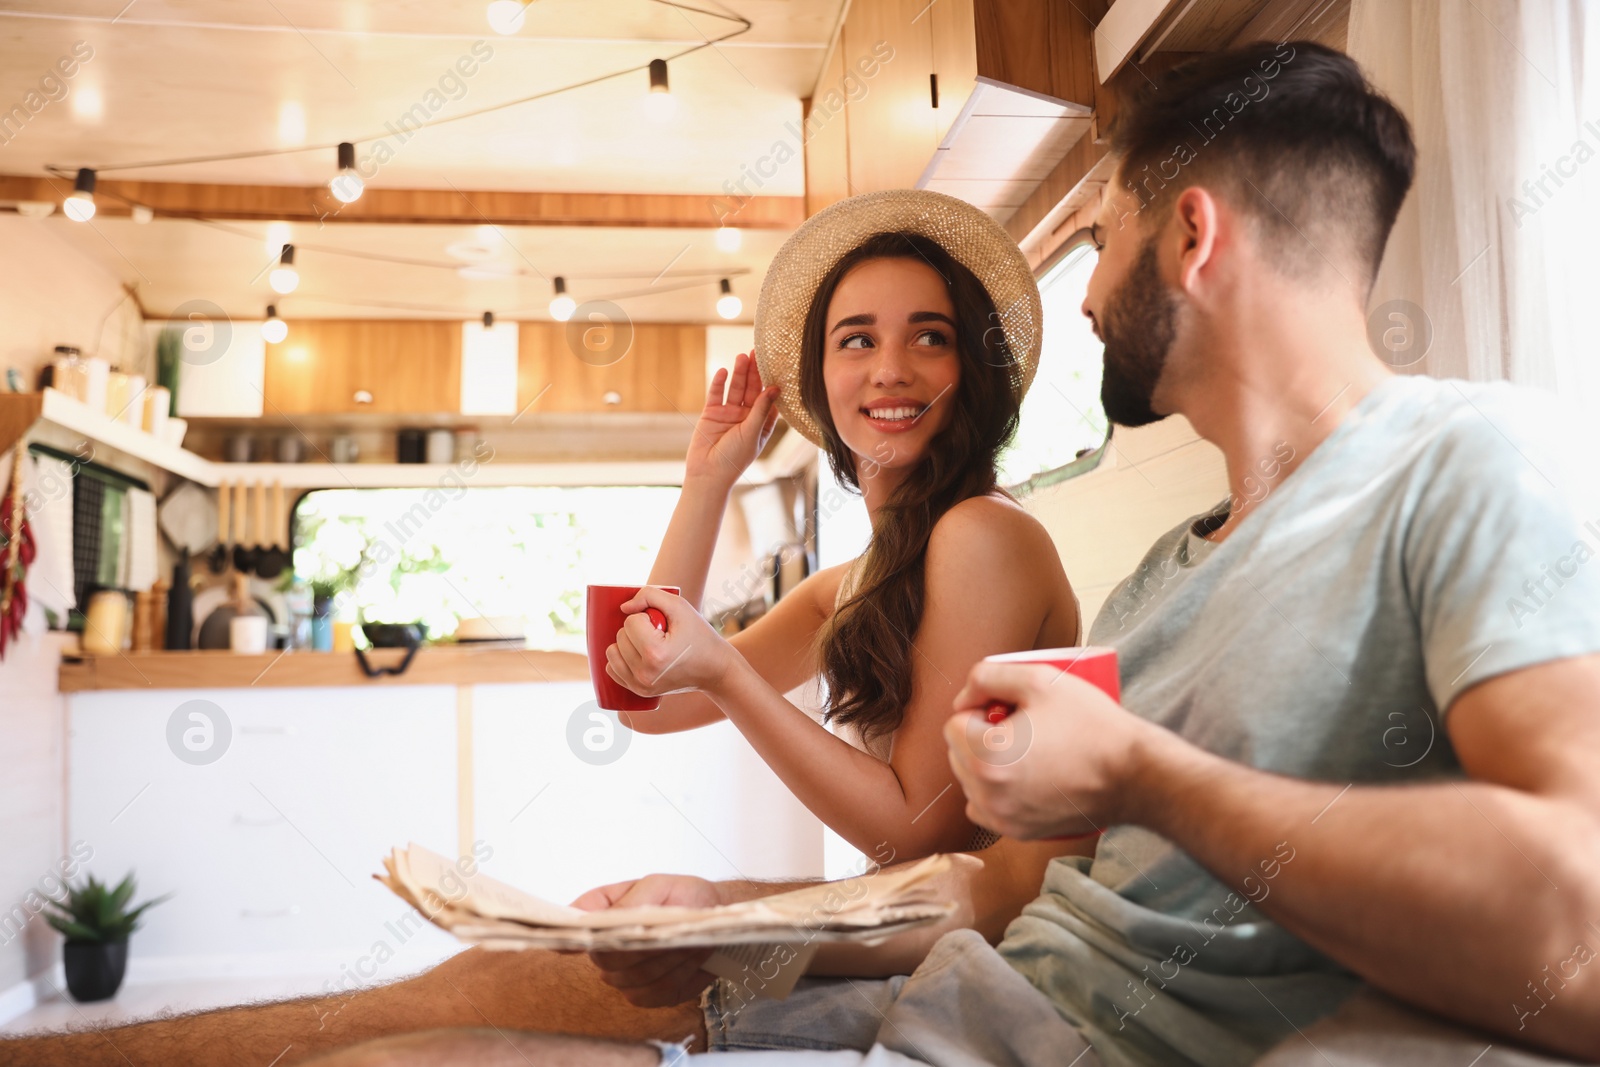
963	1007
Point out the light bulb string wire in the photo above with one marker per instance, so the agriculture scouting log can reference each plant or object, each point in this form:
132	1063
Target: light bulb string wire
745	26
499	315
699	277
300	246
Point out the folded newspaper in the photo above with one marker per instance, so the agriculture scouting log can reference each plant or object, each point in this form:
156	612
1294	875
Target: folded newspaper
770	939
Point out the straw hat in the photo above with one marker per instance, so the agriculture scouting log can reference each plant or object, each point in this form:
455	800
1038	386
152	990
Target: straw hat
973	238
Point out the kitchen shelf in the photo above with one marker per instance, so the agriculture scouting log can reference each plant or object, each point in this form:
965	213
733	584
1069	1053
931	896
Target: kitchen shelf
448	475
20	411
438	665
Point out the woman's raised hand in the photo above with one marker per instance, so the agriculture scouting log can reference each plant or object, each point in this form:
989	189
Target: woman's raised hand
732	430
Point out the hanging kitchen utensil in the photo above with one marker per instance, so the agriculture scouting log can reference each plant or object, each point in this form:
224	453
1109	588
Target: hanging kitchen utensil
219	555
244	554
259	522
188	519
274	558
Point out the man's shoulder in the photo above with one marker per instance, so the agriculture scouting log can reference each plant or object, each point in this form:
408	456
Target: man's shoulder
1479	425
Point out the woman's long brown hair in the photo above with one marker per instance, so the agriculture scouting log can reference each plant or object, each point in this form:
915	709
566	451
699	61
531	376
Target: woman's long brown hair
865	649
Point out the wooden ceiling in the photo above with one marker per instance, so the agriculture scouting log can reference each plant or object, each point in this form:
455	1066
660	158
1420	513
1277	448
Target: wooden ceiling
176	79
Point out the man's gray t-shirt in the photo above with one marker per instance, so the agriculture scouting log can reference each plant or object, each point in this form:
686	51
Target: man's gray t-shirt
1429	543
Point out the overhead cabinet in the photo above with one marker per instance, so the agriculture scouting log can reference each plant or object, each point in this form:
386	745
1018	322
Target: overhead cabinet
598	366
977	98
334	367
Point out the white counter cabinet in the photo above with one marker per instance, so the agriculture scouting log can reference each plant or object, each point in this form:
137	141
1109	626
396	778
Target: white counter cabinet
269	849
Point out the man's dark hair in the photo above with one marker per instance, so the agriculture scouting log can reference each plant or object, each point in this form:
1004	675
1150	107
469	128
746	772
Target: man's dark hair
1291	134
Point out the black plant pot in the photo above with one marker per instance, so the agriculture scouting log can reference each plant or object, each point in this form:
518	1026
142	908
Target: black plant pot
94	968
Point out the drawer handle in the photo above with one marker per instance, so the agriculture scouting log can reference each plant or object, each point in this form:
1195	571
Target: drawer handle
242	820
270	913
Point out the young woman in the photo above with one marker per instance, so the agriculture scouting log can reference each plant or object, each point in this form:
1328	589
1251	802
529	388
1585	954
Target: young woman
898	331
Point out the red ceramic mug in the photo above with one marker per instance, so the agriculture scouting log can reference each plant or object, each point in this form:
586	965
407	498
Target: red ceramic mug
1093	663
603	617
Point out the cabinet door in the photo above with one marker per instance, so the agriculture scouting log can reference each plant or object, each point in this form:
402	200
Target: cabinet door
955	60
335	366
268	850
891	131
600	366
568	802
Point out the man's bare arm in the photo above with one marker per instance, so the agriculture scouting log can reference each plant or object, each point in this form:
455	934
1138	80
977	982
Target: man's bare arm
1479	900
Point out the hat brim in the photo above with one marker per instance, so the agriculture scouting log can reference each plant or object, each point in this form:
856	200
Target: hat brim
973	238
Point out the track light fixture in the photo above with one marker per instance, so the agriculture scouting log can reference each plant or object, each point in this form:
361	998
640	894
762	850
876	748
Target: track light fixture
505	16
273	329
284	278
728	304
347	185
660	102
562	306
79	207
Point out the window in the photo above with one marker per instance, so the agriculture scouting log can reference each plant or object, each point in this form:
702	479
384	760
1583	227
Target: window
437	556
1061	416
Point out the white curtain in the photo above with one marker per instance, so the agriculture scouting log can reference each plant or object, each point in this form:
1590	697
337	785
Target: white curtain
1499	241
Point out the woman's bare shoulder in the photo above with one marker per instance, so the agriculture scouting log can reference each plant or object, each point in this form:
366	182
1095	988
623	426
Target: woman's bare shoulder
992	521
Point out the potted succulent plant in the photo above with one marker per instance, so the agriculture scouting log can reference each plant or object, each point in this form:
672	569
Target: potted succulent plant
96	922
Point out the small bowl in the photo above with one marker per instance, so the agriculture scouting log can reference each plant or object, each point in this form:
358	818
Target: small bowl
394	634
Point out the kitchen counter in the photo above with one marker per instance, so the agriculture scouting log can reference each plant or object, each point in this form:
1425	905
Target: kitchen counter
441	665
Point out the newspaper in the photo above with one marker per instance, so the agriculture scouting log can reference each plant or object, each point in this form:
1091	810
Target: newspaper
773	936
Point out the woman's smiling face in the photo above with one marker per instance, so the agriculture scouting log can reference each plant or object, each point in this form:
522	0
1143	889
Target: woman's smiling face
890	362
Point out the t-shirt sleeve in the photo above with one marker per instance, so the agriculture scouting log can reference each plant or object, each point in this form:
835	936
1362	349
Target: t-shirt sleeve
1500	551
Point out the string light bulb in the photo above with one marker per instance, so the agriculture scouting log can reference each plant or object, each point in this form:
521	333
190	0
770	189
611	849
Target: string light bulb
347	185
660	103
284	278
728	304
79	206
562	306
729	238
273	329
505	16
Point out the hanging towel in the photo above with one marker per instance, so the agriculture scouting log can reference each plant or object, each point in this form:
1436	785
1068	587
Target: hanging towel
47	483
143	568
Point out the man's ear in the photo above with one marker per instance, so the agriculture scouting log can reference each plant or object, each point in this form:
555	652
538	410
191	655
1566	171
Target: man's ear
1196	217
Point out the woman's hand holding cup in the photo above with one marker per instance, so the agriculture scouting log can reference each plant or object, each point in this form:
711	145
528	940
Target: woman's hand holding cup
734	428
652	661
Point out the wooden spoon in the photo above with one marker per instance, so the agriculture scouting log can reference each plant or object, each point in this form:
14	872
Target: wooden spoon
219	555
274	559
244	553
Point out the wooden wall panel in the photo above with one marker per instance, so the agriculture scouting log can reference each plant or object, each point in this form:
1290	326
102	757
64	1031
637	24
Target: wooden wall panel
407	366
570	367
827	143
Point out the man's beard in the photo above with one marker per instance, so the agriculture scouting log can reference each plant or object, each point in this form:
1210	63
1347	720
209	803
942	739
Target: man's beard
1138	327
